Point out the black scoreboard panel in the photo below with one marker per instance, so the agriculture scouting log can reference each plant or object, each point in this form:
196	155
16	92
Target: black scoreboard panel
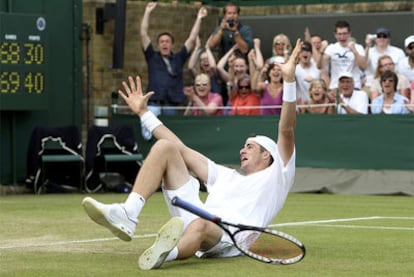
24	62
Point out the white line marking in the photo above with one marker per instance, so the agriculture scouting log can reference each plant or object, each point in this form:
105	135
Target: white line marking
72	242
365	227
338	220
314	223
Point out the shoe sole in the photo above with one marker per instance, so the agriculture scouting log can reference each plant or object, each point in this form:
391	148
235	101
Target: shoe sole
96	214
167	239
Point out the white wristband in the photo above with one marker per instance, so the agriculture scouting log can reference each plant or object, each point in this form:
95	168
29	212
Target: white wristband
289	92
150	121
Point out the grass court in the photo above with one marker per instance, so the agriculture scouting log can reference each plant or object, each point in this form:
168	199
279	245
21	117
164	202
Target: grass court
345	235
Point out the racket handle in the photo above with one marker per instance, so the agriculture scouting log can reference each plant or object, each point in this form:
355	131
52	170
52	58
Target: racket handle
176	201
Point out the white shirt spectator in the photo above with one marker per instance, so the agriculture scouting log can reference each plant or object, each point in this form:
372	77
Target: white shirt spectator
358	101
343	60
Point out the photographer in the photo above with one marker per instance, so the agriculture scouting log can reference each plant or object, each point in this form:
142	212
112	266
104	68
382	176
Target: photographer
231	32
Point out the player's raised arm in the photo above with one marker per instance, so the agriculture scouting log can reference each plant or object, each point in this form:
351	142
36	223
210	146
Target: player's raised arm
287	122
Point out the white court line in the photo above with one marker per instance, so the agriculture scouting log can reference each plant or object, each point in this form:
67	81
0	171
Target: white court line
365	227
316	223
338	220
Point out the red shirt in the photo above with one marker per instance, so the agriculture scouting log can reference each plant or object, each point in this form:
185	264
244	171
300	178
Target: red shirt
249	100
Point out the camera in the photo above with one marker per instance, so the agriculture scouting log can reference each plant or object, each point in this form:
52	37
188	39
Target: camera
372	37
231	23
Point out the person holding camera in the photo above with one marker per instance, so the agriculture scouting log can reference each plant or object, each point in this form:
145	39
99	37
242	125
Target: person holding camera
231	32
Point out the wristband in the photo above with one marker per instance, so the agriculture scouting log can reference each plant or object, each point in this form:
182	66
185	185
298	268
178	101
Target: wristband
289	92
150	121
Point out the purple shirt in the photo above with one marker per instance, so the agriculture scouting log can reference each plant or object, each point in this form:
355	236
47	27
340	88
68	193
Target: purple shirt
268	100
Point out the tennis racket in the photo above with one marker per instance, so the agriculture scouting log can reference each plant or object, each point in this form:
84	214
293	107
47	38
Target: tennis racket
263	244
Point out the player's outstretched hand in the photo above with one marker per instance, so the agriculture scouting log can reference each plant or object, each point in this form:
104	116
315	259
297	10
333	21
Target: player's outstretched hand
288	68
133	96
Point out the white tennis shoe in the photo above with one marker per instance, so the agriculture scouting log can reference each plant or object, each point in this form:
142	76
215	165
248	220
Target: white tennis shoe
113	217
167	238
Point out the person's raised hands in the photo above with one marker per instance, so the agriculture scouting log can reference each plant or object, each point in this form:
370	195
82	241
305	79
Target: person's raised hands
202	12
150	6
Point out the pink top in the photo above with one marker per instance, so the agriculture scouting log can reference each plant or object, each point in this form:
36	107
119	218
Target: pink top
212	98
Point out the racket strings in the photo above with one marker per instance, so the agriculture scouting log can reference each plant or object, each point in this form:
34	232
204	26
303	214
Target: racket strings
272	248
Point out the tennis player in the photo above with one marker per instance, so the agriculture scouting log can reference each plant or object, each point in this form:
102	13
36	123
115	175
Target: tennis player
252	196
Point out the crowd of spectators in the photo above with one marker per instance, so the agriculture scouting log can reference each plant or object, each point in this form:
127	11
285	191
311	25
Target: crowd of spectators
232	77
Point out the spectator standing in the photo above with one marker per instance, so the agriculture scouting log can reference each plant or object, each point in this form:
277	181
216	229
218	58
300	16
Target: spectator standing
349	100
306	72
281	47
165	68
270	87
320	102
406	65
386	63
232	32
380	46
243	100
318	45
390	102
344	56
236	66
203	61
202	101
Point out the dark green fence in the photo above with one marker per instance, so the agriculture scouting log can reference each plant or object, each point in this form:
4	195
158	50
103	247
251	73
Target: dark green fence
322	141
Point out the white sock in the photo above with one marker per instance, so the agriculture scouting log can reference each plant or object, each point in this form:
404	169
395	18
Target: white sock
133	205
172	255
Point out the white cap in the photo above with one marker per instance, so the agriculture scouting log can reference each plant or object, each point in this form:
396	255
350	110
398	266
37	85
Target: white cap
346	74
267	143
408	41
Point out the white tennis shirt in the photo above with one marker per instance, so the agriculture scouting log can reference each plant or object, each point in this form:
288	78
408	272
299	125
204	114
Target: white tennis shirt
253	199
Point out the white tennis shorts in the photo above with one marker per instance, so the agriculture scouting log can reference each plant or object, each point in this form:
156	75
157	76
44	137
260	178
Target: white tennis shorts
190	192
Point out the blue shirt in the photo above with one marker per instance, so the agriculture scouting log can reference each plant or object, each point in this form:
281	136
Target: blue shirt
168	86
397	106
227	39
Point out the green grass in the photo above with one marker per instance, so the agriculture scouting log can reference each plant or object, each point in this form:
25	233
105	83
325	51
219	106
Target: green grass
50	235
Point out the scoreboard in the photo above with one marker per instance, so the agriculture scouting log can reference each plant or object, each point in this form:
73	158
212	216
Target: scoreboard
24	62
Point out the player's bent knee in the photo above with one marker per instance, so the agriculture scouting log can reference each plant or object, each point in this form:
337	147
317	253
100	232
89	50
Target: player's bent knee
165	147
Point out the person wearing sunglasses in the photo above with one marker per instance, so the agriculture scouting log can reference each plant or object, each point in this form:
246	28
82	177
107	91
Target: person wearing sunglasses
406	65
379	45
386	63
390	102
243	100
201	100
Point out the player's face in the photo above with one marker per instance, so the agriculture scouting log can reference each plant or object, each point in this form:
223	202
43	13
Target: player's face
252	158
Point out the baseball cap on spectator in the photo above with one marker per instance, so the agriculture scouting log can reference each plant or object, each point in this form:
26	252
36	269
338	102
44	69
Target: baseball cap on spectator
408	41
383	31
346	74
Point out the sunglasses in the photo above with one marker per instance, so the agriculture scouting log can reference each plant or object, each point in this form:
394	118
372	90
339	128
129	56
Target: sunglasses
382	36
410	47
386	64
201	84
244	87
